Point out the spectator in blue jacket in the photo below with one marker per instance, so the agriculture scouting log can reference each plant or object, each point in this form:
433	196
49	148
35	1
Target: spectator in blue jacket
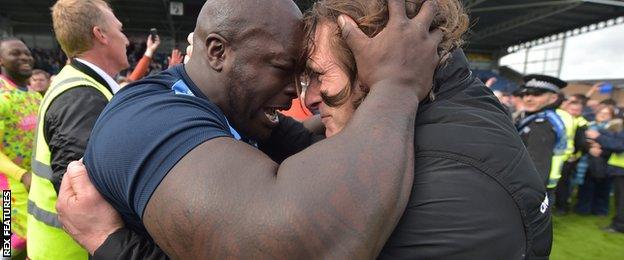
612	142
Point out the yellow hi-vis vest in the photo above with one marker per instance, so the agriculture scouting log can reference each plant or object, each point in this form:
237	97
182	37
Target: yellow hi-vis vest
46	238
617	160
557	160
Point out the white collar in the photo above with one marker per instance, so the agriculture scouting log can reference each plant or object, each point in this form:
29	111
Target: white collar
109	80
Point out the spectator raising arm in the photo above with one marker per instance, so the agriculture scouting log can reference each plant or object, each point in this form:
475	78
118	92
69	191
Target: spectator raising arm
141	68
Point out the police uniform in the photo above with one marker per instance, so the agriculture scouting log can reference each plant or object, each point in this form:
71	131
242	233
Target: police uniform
544	132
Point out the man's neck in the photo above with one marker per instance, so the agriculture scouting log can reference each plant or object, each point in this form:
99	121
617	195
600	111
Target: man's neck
208	84
22	84
102	63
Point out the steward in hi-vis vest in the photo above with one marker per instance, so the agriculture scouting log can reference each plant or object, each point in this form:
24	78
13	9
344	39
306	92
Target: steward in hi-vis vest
91	36
47	236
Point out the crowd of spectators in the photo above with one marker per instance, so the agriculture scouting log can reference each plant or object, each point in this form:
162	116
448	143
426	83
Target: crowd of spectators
593	172
52	60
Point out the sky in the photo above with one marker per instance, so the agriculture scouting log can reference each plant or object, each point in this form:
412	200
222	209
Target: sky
594	55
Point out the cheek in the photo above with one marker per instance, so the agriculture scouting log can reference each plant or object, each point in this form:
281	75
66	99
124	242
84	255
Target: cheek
334	81
343	113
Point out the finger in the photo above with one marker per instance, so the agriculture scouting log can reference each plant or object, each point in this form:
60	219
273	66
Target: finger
66	190
79	179
189	38
396	10
351	33
437	35
427	12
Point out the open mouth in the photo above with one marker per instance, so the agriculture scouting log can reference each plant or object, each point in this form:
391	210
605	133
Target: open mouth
271	114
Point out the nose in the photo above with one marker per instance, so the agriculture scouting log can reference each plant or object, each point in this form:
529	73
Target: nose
26	56
313	97
527	98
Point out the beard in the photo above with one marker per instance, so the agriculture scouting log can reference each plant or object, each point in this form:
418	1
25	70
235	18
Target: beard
239	100
18	74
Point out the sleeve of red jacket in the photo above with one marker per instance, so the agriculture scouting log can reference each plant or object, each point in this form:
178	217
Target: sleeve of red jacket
141	68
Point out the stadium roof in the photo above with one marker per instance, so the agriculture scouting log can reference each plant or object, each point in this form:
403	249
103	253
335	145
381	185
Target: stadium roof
497	24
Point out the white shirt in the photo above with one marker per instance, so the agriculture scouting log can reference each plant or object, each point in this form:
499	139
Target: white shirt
109	80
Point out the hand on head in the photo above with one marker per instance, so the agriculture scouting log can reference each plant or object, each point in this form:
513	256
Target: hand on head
404	52
84	213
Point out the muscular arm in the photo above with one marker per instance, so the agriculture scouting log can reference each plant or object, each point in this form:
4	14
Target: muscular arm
339	198
336	199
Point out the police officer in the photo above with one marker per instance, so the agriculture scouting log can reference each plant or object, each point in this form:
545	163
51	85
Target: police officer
542	129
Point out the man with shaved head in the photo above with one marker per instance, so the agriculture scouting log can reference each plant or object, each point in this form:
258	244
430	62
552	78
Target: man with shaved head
176	154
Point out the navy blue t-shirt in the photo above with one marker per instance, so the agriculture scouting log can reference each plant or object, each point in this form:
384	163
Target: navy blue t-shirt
142	133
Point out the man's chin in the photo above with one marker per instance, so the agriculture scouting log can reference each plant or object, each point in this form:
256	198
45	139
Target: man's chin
23	75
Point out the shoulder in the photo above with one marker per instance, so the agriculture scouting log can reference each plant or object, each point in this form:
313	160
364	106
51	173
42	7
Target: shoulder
155	128
81	99
442	187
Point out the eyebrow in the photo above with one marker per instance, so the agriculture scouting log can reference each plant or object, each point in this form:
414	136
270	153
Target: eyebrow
279	59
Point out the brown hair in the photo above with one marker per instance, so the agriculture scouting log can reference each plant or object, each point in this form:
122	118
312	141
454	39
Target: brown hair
73	22
42	72
372	17
608	107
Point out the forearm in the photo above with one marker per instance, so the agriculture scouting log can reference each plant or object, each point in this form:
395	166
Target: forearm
611	142
339	198
9	168
348	183
141	68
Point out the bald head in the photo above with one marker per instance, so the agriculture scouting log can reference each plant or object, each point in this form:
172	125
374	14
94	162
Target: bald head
245	57
237	20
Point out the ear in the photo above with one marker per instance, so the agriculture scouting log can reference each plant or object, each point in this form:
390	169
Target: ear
553	98
99	35
216	51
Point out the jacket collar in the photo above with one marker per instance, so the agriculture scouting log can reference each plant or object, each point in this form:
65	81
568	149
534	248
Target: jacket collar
90	72
452	76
